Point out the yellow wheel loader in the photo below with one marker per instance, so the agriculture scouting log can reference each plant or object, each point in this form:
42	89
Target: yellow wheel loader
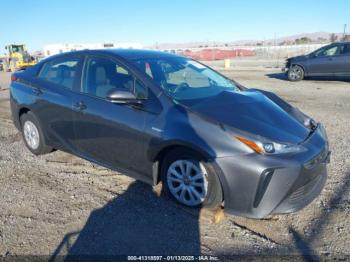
18	58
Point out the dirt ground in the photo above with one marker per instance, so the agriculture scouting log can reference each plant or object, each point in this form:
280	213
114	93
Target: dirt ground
58	204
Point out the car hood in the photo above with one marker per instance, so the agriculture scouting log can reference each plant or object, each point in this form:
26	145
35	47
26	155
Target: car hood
299	58
252	111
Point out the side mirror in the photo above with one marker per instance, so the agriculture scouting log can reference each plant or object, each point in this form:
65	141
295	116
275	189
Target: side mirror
122	97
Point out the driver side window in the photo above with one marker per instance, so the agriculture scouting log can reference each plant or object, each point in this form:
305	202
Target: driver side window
103	75
330	51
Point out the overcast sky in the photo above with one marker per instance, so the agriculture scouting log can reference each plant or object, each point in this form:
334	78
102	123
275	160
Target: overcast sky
39	22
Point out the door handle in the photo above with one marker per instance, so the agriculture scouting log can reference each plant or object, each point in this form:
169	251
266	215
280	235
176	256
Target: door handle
80	106
37	91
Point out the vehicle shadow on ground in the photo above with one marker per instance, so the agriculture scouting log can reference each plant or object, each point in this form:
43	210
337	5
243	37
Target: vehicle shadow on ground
280	76
304	244
137	222
283	76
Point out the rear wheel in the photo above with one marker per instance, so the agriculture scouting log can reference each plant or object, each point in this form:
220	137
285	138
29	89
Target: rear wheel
190	181
12	65
33	134
4	66
296	73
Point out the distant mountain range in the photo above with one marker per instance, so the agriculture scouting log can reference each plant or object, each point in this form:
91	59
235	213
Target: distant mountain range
317	37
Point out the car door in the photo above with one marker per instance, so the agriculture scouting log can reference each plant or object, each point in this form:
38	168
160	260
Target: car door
342	67
322	62
54	87
105	132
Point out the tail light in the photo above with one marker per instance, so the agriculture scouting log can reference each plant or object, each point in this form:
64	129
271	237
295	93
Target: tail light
13	78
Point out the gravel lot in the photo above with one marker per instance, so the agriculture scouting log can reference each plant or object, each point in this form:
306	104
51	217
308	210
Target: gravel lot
57	204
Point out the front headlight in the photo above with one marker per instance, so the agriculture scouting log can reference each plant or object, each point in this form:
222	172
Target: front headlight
283	148
287	64
270	148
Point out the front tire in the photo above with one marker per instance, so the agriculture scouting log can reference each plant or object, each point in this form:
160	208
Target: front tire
190	181
296	73
33	135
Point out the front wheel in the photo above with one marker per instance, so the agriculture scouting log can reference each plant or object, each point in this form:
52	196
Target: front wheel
296	73
190	181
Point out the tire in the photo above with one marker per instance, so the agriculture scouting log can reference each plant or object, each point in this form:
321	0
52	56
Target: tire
31	128
210	197
12	66
4	67
296	73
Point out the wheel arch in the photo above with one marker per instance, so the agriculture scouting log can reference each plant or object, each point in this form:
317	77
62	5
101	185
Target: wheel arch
211	165
16	115
23	110
157	156
301	65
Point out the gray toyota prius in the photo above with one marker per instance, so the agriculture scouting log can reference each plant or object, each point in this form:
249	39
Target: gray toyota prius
159	117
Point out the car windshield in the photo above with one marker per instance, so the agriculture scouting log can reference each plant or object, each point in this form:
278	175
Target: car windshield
185	79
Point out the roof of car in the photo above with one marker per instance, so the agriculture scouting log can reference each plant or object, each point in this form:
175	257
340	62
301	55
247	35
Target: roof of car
340	43
137	53
124	53
128	54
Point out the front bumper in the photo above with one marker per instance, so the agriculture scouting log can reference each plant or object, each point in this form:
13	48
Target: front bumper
258	185
286	66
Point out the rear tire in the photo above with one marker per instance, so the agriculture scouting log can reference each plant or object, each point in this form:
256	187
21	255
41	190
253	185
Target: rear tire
296	73
33	135
12	66
199	187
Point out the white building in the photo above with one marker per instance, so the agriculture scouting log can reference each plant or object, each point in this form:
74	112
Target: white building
54	49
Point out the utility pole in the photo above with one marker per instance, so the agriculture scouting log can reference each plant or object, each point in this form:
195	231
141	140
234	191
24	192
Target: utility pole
344	34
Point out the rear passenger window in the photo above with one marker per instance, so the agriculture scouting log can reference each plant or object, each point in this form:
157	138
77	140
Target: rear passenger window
345	49
60	71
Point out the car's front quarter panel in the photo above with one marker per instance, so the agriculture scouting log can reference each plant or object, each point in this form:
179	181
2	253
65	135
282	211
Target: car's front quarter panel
301	61
178	126
292	184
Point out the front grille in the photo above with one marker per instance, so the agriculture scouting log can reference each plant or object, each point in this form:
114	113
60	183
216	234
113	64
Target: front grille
303	194
302	191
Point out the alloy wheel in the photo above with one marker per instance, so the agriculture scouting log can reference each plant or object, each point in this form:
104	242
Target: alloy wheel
187	182
296	73
31	134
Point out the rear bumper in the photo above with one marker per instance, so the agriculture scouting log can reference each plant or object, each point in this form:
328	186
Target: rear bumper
256	185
